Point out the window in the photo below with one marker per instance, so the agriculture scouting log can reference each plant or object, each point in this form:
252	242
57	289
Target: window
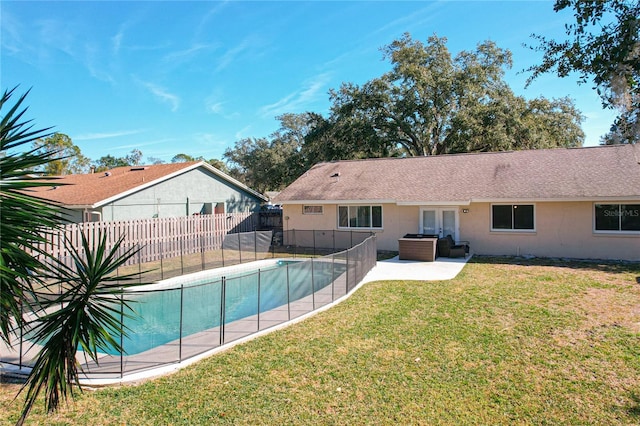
512	217
312	210
360	216
617	217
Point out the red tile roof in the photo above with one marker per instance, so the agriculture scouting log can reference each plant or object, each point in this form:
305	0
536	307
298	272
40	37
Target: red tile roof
605	172
95	189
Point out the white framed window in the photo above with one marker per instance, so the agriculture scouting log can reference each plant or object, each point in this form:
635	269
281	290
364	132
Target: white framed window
312	209
360	216
616	218
513	217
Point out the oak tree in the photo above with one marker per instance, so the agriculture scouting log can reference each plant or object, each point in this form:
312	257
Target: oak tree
602	45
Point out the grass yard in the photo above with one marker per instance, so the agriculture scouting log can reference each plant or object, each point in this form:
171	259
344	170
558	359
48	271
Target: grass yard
507	342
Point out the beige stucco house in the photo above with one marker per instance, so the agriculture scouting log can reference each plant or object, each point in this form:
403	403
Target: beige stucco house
574	203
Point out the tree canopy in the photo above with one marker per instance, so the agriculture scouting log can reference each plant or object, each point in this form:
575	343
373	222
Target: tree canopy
432	103
429	103
603	46
109	161
67	158
274	162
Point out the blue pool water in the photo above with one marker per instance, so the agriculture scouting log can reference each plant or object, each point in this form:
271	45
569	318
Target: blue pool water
157	316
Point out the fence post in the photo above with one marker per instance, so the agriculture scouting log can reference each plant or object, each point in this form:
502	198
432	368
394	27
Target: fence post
181	316
181	257
313	288
333	276
255	245
222	307
355	266
161	259
314	242
288	296
121	332
202	268
259	274
347	273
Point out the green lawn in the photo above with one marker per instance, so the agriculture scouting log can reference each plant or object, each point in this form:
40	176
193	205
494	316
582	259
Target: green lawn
506	342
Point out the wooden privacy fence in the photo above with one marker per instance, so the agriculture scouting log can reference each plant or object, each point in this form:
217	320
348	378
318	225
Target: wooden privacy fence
158	238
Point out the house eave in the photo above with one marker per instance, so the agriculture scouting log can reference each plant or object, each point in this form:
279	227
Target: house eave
79	206
363	201
633	198
433	203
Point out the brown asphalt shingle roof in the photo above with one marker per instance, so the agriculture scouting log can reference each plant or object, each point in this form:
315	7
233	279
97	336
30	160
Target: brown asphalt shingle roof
90	189
604	172
96	188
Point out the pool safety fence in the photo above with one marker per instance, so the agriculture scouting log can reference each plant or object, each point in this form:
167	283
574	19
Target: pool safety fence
184	253
174	322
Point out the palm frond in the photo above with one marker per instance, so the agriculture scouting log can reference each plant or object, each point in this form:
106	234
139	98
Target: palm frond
23	218
85	316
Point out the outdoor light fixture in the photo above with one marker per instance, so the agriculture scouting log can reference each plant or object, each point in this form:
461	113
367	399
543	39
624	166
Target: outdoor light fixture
465	210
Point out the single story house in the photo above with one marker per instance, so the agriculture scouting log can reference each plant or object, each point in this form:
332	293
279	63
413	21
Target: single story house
574	203
162	190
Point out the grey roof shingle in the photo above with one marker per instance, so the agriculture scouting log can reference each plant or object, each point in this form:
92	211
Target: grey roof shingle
604	172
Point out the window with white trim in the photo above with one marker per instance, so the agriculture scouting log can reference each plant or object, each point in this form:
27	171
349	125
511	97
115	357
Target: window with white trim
617	217
513	217
360	217
312	210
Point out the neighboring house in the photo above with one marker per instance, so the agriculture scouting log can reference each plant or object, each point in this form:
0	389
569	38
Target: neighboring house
574	203
163	190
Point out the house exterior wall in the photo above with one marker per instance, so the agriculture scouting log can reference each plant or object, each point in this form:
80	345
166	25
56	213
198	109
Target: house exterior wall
396	221
73	216
181	195
562	229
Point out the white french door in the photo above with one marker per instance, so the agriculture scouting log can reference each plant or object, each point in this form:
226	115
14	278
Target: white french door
441	221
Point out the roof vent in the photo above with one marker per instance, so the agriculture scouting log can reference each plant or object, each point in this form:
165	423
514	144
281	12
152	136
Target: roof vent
107	173
135	169
335	175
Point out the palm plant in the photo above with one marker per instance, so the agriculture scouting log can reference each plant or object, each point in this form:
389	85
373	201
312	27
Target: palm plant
24	219
86	314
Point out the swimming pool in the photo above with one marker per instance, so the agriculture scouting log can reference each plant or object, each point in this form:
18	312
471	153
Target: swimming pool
178	307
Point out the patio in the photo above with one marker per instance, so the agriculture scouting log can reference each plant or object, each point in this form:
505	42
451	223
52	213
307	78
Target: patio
442	268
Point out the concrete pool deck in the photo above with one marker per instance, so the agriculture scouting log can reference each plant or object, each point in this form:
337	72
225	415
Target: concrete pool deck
443	268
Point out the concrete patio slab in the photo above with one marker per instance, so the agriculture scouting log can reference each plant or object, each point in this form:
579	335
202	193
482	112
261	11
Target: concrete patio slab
410	270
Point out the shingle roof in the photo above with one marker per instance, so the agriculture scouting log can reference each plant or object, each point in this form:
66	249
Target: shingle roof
604	172
95	189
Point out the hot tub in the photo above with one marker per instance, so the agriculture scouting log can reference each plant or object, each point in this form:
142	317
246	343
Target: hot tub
418	247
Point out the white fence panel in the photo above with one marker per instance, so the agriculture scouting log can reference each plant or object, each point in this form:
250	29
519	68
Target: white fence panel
159	237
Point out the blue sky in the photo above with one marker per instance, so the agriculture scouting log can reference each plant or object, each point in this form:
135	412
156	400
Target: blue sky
194	77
